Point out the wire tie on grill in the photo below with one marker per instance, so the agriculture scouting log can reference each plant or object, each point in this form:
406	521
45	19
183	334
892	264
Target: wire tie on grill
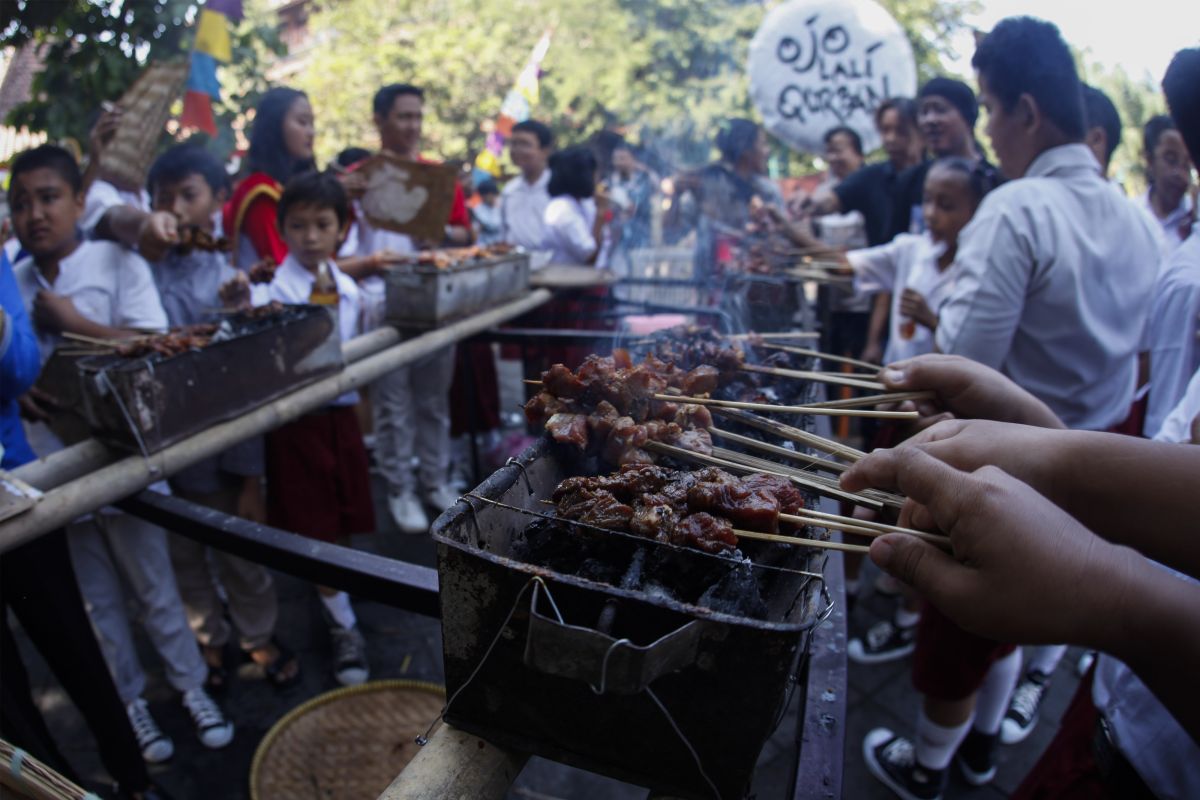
678	732
133	428
513	462
604	664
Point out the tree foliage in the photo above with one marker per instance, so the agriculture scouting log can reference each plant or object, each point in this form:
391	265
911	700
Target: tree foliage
95	49
1136	102
661	70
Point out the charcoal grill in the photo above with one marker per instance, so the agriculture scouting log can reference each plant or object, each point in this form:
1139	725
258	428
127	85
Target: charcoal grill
580	663
426	296
145	404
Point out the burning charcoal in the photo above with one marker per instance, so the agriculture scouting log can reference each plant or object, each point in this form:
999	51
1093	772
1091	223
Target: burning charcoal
738	593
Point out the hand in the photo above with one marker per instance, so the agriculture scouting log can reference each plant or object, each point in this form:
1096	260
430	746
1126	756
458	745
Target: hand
601	198
103	131
36	405
913	305
235	292
355	184
1022	569
965	389
251	505
873	352
54	312
159	232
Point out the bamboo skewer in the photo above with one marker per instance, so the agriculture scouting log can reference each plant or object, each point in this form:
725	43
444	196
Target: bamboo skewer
109	344
821	483
801	541
772	336
782	452
793	434
876	399
777	409
815	376
849	526
804	351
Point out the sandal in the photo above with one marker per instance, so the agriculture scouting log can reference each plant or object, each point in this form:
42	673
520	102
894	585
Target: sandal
275	672
217	680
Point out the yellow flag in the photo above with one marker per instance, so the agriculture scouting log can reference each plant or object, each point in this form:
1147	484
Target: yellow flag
212	35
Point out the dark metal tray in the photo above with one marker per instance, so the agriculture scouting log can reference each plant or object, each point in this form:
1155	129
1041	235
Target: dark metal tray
574	669
425	296
145	404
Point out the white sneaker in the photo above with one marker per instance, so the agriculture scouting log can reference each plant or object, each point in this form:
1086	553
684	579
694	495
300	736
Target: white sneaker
407	512
1086	660
349	656
211	726
442	498
156	746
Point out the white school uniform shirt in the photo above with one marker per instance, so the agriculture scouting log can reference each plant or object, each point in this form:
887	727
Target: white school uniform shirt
1171	224
374	291
1173	326
569	222
101	196
523	211
1053	288
1147	734
293	284
907	262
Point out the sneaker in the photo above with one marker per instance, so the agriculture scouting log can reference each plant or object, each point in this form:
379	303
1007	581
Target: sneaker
1085	662
211	726
156	746
976	757
441	498
349	656
885	641
1022	713
893	761
407	512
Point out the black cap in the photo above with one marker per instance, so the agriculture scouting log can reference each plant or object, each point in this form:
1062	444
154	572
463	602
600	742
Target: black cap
957	93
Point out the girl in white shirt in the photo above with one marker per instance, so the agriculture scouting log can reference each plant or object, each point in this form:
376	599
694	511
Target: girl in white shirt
576	215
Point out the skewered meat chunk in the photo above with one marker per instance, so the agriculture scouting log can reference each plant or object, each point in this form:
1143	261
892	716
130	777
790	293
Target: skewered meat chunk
701	380
705	532
597	507
694	439
753	509
561	382
569	429
791	501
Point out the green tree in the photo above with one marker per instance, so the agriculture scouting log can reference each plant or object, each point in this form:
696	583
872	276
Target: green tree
95	49
1136	101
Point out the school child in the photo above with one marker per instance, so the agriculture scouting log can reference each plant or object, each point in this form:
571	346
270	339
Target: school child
103	290
918	271
317	479
190	184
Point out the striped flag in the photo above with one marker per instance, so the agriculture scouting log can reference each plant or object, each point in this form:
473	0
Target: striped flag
212	45
517	106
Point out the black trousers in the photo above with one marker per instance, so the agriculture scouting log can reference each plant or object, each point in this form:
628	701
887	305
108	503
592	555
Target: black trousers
38	583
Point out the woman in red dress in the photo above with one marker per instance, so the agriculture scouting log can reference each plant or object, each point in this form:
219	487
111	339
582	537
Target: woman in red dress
281	146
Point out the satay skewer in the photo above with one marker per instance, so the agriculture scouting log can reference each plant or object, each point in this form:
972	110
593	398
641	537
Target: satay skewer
782	452
801	541
820	377
848	525
737	337
830	486
876	399
778	409
804	351
793	434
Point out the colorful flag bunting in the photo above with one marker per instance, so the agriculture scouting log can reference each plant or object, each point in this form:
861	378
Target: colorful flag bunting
230	8
212	35
203	75
198	113
517	106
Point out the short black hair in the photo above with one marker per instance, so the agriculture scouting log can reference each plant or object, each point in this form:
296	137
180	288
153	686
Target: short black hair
317	189
981	176
540	130
855	139
735	137
1023	55
1099	112
1153	130
1179	85
573	173
487	186
183	160
905	106
267	151
48	156
385	98
351	156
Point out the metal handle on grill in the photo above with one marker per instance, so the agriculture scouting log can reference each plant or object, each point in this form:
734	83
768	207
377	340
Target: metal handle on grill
604	662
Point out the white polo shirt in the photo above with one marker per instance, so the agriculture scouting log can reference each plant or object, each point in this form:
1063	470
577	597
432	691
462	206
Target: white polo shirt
1172	330
523	210
101	196
1172	224
1055	281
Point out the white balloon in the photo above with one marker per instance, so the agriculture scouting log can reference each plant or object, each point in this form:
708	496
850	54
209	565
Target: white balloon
818	64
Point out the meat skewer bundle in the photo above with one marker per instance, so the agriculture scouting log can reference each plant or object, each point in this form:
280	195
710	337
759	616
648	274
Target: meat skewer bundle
454	256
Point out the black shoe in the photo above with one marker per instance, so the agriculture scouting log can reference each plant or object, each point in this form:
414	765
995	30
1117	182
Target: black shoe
892	760
885	641
1023	709
977	757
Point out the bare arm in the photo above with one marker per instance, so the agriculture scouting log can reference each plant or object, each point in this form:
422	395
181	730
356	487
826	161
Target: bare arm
152	233
880	311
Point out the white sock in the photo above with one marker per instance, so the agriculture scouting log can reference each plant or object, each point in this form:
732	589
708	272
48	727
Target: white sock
338	606
905	618
1045	658
936	744
992	701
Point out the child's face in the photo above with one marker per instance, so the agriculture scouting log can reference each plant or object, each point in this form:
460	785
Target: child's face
191	200
1169	167
949	204
45	212
311	234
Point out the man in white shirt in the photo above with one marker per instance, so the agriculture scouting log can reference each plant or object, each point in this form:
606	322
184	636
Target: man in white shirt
1169	173
524	199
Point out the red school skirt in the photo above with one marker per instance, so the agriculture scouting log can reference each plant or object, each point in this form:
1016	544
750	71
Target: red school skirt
318	484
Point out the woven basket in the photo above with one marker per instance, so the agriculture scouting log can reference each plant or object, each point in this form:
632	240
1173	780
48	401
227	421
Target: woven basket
348	744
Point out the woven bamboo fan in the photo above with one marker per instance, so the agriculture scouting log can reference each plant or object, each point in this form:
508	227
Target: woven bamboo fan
348	744
23	777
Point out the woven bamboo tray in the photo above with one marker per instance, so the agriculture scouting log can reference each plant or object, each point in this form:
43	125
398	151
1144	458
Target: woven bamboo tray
348	744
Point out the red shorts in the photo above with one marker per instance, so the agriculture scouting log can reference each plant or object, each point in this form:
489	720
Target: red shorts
949	663
318	483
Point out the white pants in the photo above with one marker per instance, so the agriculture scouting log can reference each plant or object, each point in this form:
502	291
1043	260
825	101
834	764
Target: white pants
411	407
108	550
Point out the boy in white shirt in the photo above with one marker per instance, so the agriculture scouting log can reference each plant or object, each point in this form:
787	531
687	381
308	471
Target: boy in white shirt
102	290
